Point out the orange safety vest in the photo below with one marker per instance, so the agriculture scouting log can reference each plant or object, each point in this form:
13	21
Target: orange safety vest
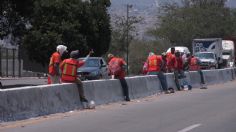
194	64
154	63
115	66
171	60
178	63
69	70
55	58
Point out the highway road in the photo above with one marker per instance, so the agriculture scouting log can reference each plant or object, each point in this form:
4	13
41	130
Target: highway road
24	81
199	110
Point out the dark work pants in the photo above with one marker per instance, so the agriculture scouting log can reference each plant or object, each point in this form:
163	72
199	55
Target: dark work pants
202	77
176	78
162	79
81	90
125	88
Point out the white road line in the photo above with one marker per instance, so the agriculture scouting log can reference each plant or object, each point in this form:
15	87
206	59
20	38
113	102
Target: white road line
187	129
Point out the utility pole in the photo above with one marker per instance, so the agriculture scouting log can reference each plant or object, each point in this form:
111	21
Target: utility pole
127	36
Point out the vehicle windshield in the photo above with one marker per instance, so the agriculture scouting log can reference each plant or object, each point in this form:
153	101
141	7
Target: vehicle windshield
91	63
205	55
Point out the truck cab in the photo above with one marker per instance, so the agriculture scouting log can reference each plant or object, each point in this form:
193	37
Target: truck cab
208	60
228	54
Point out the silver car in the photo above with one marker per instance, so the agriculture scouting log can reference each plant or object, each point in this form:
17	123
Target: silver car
93	69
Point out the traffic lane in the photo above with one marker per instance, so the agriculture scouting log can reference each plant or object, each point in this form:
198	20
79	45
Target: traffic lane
25	81
199	110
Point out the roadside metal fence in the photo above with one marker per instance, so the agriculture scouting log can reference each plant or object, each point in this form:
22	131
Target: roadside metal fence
10	63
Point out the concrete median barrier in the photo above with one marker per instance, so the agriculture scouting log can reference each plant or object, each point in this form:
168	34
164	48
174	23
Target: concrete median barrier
143	86
170	80
212	76
27	102
225	75
22	103
103	91
195	79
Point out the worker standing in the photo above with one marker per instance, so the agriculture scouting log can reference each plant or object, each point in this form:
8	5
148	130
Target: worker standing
171	60
164	62
178	69
195	66
116	67
155	65
69	72
55	60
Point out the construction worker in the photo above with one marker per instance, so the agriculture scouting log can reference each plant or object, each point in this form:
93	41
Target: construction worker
171	60
144	71
195	66
155	65
55	60
69	72
164	62
178	69
187	61
116	67
180	77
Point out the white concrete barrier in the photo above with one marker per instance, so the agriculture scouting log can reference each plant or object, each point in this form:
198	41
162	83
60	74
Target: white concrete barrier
143	86
22	103
27	102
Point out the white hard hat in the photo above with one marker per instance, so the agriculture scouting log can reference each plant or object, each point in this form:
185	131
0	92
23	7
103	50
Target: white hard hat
151	53
61	49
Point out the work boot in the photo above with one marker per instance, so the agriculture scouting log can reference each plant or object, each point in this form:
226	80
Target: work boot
167	92
203	87
85	103
190	87
84	100
171	90
127	99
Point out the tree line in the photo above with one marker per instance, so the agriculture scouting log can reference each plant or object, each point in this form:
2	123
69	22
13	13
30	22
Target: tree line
40	25
180	23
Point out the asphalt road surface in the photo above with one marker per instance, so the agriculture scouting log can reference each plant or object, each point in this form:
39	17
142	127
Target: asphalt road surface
24	81
199	110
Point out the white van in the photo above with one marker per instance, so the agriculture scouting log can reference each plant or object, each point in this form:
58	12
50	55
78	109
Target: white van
181	49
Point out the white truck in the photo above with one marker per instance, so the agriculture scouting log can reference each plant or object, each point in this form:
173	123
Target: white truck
209	51
228	54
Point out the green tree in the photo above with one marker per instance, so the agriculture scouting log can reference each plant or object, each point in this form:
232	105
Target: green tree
46	23
139	51
119	33
54	22
13	17
194	19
